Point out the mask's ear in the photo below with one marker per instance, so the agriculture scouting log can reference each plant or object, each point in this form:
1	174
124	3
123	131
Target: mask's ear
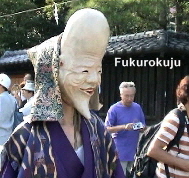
94	101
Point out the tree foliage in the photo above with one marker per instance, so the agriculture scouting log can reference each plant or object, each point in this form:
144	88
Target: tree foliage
124	16
131	16
21	31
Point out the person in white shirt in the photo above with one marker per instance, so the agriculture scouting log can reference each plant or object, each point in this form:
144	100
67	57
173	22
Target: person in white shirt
28	93
7	108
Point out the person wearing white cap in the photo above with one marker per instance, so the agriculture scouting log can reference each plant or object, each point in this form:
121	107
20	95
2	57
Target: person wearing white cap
7	108
28	93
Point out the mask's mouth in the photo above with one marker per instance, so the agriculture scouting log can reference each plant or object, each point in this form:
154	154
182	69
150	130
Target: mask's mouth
88	91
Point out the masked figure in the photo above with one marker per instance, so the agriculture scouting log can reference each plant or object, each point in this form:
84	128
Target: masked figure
63	138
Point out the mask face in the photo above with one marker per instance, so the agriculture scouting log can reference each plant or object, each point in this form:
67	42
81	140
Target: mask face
78	80
83	45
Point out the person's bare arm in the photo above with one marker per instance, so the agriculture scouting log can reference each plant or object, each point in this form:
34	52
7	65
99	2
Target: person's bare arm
117	128
157	152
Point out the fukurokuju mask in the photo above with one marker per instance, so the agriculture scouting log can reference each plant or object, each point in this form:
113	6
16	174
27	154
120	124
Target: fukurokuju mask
68	67
82	48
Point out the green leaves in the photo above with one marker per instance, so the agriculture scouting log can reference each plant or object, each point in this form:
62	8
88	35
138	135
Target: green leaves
30	28
24	30
131	16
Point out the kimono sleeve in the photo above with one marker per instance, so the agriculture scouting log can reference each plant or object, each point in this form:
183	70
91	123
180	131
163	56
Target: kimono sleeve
8	171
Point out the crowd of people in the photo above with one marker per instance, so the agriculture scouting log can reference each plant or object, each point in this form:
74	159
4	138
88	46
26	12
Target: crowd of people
18	97
60	137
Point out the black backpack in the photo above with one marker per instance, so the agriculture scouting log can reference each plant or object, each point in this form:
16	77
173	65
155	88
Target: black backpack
144	166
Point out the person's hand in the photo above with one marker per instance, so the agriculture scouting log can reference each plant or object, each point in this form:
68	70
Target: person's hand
143	129
17	96
129	126
19	100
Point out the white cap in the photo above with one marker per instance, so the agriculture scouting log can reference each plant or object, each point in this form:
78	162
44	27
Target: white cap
5	81
29	86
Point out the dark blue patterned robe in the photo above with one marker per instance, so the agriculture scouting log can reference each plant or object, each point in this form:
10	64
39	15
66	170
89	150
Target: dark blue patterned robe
42	150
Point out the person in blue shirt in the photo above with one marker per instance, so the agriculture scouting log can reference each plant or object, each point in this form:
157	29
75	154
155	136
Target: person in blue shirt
122	119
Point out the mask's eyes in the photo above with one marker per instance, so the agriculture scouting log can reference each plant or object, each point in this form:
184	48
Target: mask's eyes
85	71
100	71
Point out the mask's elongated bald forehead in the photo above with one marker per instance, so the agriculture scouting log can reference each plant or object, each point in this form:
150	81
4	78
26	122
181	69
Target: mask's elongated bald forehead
83	45
87	31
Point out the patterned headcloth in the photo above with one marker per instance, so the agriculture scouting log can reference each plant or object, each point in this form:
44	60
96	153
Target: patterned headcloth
45	58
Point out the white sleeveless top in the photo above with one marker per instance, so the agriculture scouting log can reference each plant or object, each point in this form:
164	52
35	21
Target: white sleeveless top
80	153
